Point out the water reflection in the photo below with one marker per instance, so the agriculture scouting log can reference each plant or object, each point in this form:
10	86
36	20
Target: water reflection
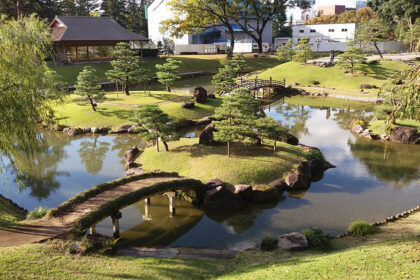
92	153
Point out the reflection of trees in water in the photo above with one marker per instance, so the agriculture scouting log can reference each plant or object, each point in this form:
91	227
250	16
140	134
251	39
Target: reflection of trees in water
343	117
92	154
390	162
297	115
124	142
39	172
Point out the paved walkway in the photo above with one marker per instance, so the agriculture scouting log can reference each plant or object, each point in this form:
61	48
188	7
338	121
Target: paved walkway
39	230
399	56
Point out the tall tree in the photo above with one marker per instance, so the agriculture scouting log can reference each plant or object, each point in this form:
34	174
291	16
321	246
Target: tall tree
372	32
78	7
279	25
155	122
127	68
303	51
224	79
27	85
115	9
238	62
351	58
271	129
87	86
194	16
43	8
286	52
238	114
253	15
167	72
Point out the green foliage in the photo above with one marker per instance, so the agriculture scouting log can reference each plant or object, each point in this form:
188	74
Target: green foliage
271	129
37	213
27	85
167	72
370	33
361	15
269	243
224	80
383	111
316	154
359	122
155	121
317	239
238	114
127	68
361	228
303	51
238	63
351	58
286	52
87	86
409	33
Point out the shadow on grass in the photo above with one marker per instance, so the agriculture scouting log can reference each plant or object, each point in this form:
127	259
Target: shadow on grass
377	71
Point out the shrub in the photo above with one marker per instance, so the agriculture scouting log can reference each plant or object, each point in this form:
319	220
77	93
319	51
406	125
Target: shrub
365	86
382	111
315	82
37	213
358	122
392	52
269	243
316	154
373	62
317	239
361	228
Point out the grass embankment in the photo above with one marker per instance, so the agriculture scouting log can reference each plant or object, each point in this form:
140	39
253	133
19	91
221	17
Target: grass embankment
190	63
334	77
378	126
248	164
328	102
10	214
391	253
119	110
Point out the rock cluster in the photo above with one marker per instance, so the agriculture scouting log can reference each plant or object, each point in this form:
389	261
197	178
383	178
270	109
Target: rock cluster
292	241
188	105
130	156
200	95
324	64
206	136
362	132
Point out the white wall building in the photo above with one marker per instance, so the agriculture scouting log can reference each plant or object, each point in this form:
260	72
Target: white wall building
212	40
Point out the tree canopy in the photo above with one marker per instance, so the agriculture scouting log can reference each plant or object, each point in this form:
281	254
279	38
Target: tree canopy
27	84
361	15
87	86
372	32
167	72
303	51
351	58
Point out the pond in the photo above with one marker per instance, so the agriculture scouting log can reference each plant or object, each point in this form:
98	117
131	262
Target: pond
372	181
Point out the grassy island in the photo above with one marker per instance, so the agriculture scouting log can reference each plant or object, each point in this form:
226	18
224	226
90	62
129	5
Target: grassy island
10	213
378	126
249	164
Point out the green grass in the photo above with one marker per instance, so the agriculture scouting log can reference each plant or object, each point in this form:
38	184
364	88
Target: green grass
378	126
190	63
10	214
334	77
120	109
37	213
396	259
247	164
361	228
328	102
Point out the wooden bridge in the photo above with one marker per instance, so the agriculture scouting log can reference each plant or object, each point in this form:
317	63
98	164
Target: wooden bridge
256	84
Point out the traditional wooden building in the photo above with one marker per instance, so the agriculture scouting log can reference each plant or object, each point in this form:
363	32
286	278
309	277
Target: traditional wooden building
79	39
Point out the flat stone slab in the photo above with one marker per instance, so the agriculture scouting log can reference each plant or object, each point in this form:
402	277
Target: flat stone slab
181	253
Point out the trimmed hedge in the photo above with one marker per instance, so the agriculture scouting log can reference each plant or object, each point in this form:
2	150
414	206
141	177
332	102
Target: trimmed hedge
82	197
112	206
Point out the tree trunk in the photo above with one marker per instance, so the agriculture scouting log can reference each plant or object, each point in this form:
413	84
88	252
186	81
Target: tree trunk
275	143
351	68
375	44
93	105
157	144
260	45
232	43
168	88
166	145
228	145
19	8
126	90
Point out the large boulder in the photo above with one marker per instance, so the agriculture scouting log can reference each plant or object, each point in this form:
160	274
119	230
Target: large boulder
187	104
244	192
123	128
206	136
134	171
220	199
200	95
211	95
279	184
305	170
214	183
204	121
132	154
264	194
74	131
405	135
317	169
292	241
86	130
292	140
297	181
357	128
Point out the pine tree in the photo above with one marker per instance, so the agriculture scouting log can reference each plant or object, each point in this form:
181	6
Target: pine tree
115	9
167	72
351	58
238	114
269	128
371	33
238	63
127	68
224	80
286	52
155	122
87	86
303	51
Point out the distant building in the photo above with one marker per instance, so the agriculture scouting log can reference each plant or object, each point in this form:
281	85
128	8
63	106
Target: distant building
79	39
212	40
331	10
361	5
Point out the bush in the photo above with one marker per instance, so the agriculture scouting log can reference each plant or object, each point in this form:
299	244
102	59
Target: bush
365	86
269	243
382	111
315	82
37	213
358	122
373	62
392	52
316	154
361	228
317	239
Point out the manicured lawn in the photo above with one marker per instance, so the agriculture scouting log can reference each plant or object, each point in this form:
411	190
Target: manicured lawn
334	77
328	102
119	110
378	126
190	63
248	164
9	213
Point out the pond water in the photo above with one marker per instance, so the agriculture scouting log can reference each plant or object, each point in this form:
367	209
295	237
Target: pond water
373	180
